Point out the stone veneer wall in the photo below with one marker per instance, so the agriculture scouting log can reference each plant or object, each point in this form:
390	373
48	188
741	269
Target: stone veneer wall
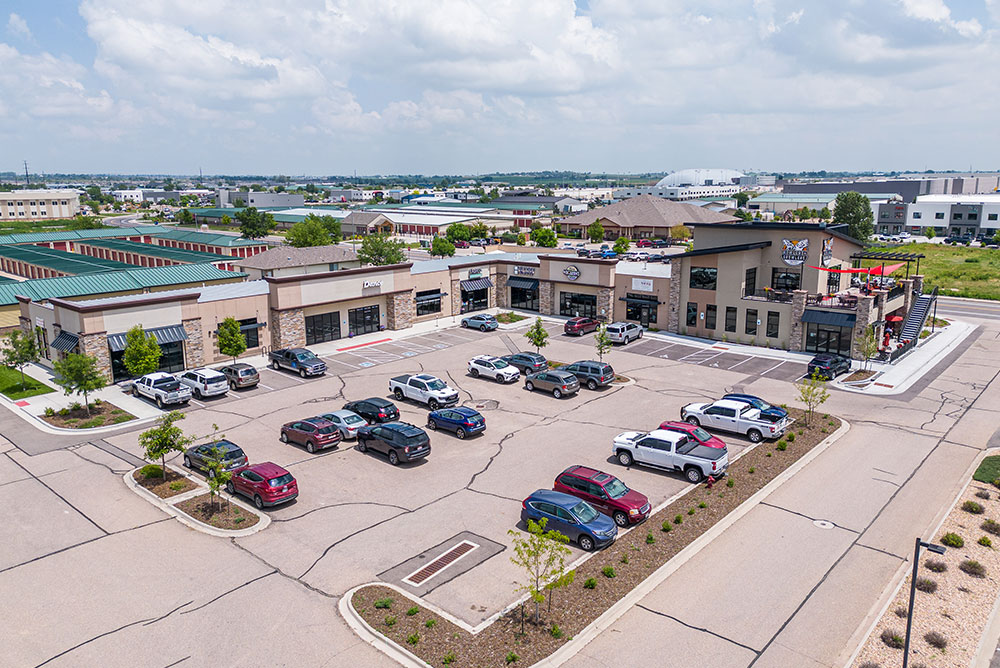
194	353
865	315
288	328
546	297
674	298
400	310
96	345
796	333
605	304
456	296
501	291
918	283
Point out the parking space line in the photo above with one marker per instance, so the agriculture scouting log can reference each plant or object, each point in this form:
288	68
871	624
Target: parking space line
741	362
707	359
698	353
196	402
773	367
656	352
266	387
336	358
366	359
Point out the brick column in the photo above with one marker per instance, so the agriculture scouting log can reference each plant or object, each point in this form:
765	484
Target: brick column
918	283
194	353
456	296
96	346
674	298
796	334
865	314
502	295
400	310
546	298
605	302
288	328
907	295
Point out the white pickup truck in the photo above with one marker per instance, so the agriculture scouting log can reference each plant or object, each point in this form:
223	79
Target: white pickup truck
672	451
162	388
734	416
424	388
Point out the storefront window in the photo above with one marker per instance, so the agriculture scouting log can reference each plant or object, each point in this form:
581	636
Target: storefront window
773	324
692	314
524	298
730	318
750	283
250	332
171	361
828	339
641	308
703	278
428	302
710	315
475	300
832	282
322	327
574	304
751	325
785	280
363	320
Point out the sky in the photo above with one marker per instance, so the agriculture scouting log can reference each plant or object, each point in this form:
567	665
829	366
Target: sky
314	87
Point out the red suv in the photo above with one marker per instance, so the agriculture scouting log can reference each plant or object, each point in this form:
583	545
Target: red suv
315	433
604	492
267	484
694	432
644	243
581	326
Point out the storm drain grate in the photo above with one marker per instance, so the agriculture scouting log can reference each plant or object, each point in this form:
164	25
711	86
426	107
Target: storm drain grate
425	573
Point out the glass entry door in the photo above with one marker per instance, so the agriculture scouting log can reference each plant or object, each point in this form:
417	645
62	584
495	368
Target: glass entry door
363	320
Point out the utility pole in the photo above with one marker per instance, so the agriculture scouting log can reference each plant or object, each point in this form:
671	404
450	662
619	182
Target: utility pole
26	172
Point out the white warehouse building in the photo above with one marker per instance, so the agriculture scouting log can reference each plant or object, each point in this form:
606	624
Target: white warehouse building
689	184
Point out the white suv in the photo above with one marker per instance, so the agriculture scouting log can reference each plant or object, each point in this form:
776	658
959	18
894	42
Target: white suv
204	382
624	332
493	367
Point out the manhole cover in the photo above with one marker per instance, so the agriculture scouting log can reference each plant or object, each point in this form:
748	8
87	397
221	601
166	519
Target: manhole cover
823	524
482	404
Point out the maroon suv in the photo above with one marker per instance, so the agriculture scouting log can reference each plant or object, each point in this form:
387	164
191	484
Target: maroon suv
315	433
267	484
580	326
604	492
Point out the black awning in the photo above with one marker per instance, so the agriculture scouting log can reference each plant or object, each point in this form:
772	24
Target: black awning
169	334
477	284
253	325
420	299
65	341
524	283
640	300
831	318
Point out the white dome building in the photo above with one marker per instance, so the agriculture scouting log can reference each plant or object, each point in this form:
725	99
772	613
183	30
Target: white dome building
700	177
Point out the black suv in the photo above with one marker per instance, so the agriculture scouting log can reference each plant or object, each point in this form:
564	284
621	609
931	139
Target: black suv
591	373
526	362
828	365
401	441
374	409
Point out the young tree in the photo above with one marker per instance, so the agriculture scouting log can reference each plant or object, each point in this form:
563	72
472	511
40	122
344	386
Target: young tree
232	340
20	351
441	247
854	210
142	352
542	554
329	223
255	224
78	374
742	199
930	233
824	213
479	231
595	231
537	335
521	239
165	437
184	217
217	475
226	220
680	232
545	238
602	342
813	393
380	250
307	233
458	232
867	345
621	245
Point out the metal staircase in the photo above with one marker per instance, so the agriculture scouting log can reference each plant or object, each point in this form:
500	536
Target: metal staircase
918	314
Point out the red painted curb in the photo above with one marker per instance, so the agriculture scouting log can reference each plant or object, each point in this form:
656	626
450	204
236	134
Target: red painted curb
362	345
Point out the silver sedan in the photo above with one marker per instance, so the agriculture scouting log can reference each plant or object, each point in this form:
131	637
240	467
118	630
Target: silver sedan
348	422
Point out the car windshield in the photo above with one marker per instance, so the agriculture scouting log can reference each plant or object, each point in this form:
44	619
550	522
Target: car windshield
435	384
280	480
500	364
701	434
413	439
247	372
583	512
305	356
328	429
354	419
167	384
616	489
233	454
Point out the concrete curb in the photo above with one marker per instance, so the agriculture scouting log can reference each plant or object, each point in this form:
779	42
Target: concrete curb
371	637
168	506
40	424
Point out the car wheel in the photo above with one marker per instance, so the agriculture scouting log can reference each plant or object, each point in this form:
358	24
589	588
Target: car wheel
693	420
393	458
275	366
755	436
159	403
482	328
460	433
197	393
586	543
232	385
398	393
434	405
465	324
529	386
621	519
640	334
591	384
624	458
499	379
557	393
257	501
302	373
432	425
310	448
231	488
693	474
135	392
187	462
362	446
474	373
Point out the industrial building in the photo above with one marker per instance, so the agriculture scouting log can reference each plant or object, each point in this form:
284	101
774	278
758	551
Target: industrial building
39	204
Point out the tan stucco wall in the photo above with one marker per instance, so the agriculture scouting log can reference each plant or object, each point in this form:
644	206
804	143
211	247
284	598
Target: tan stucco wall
661	290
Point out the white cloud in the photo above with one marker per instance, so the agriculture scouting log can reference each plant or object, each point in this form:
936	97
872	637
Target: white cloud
18	27
936	11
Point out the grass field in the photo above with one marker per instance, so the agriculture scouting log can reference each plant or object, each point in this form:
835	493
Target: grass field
959	271
989	470
10	385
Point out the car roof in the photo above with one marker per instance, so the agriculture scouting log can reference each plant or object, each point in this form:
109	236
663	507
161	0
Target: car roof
207	372
343	412
223	444
317	420
731	403
238	365
299	350
679	424
268	470
557	498
404	428
559	372
600	364
466	411
582	471
667	435
486	358
743	394
425	376
158	375
378	401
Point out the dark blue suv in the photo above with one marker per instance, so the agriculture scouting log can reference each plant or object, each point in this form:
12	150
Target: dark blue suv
461	420
571	517
768	411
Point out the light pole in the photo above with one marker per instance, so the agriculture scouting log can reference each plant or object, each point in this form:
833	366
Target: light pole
937	549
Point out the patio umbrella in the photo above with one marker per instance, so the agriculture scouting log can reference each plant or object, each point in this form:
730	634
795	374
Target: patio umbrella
883	270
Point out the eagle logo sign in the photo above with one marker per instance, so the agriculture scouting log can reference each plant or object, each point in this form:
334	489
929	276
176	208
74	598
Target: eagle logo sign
794	251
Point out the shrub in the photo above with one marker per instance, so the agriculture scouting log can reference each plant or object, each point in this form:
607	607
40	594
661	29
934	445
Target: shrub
822	430
954	540
63	412
990	526
892	638
927	585
75	406
782	445
151	471
624	559
678	520
390	620
118	419
511	657
178	485
790	437
767	454
983	494
730	482
412	611
936	640
826	416
97	402
556	632
936	566
703	505
751	469
801	431
985	541
49	411
667	526
649	539
590	583
972	507
973	568
996	483
383	604
870	664
448	658
413	639
901	611
608	572
690	511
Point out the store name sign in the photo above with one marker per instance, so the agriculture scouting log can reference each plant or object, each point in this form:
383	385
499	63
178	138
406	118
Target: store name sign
794	251
475	273
571	272
642	284
372	284
524	271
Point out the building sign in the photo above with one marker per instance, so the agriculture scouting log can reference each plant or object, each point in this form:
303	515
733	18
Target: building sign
643	284
475	273
372	284
571	272
827	251
794	251
523	271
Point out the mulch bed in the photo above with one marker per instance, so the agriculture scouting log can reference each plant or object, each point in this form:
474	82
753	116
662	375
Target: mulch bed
101	415
631	557
218	513
174	484
859	375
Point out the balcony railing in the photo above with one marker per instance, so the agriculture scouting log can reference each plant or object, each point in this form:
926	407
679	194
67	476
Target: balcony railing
846	302
768	295
896	291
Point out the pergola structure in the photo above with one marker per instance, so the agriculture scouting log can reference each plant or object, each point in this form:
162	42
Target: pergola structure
889	256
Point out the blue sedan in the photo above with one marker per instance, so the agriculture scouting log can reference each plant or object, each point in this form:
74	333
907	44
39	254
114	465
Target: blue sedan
482	321
768	411
461	420
571	517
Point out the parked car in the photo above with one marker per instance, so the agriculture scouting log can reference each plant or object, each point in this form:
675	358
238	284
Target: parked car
605	247
374	409
267	484
526	362
644	243
348	422
604	492
478	242
570	516
315	433
592	374
560	383
162	388
672	451
608	255
582	252
660	243
461	420
462	244
624	332
425	389
656	257
400	441
204	382
300	360
580	326
240	375
767	411
734	416
493	367
693	432
232	455
482	321
828	365
581	244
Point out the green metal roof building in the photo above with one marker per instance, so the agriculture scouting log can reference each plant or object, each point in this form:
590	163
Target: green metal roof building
41	262
74	235
147	255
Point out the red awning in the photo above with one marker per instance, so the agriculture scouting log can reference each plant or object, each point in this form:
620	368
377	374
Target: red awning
878	271
871	271
894	318
841	271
